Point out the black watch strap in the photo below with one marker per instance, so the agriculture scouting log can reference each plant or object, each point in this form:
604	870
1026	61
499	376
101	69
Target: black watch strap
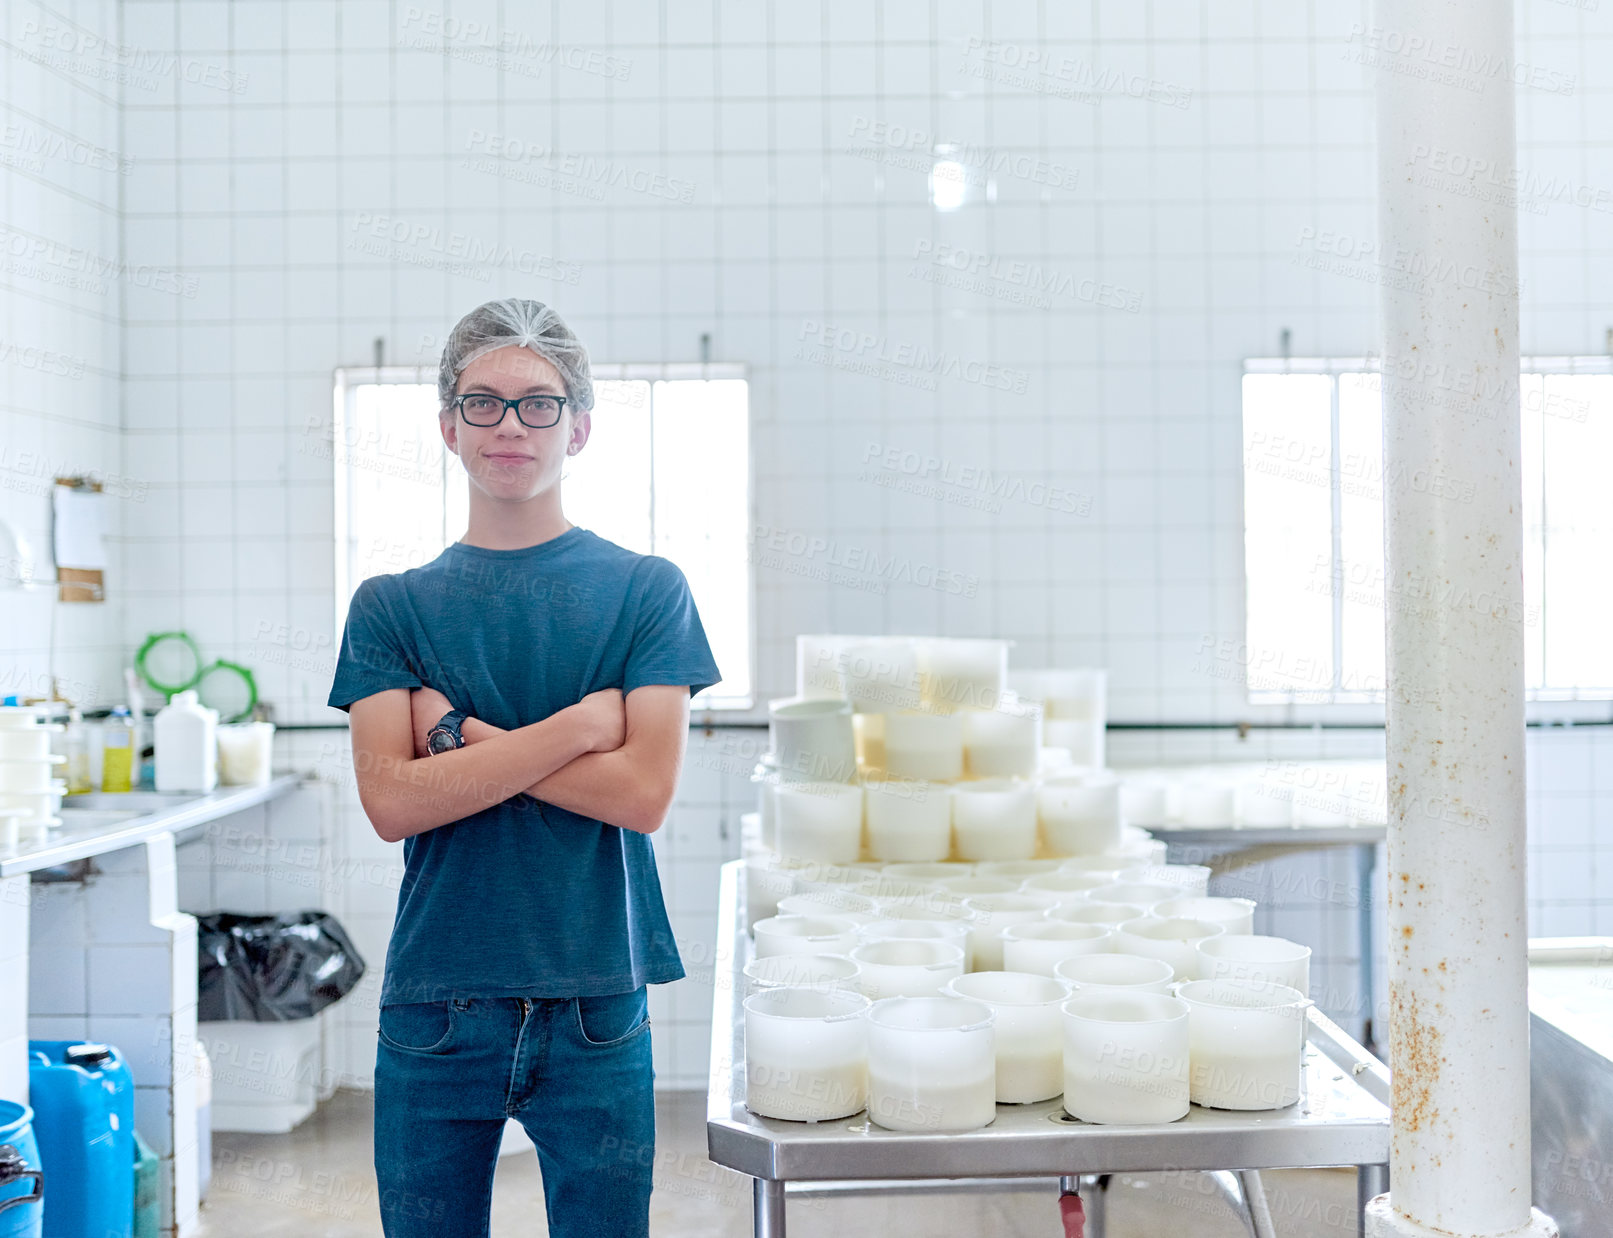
446	736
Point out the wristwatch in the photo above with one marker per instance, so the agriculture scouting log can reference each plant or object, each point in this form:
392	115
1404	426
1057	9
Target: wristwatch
445	736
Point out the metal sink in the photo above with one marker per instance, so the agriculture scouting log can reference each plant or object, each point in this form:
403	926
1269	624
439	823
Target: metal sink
134	803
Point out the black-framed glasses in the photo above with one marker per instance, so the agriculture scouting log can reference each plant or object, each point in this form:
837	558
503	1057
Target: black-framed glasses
535	412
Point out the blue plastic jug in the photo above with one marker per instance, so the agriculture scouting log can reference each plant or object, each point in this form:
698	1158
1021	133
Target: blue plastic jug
21	1179
84	1120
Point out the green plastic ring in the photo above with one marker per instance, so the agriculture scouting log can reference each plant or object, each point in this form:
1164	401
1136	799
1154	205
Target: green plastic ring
246	675
157	638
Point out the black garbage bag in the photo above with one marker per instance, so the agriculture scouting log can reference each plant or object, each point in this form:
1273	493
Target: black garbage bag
269	969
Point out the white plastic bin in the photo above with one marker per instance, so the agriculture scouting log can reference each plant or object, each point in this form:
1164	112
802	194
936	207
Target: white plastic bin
819	821
1028	1031
1039	946
1147	894
919	744
931	1064
804	935
1126	1057
990	915
1174	939
1107	915
906	967
1247	1043
841	903
1252	959
1236	914
1080	813
813	738
267	1077
1130	973
828	973
909	820
806	1054
962	672
1003	742
994	819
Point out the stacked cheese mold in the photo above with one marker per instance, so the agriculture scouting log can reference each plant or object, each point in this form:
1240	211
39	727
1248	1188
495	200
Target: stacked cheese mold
1275	794
927	749
929	993
30	795
950	912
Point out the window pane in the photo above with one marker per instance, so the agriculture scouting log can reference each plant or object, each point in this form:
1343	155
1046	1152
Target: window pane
665	471
1567	446
1577	420
702	510
395	460
1532	392
1288	533
1361	532
606	486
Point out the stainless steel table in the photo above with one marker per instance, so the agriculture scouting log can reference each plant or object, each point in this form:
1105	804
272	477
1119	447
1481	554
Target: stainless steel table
1342	1119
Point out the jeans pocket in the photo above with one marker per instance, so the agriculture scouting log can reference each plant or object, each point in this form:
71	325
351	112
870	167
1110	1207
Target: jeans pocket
419	1027
612	1019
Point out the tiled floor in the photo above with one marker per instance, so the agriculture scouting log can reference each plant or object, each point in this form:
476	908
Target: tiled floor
316	1183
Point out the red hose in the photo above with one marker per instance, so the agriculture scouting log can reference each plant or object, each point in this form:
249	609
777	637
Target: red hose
1074	1215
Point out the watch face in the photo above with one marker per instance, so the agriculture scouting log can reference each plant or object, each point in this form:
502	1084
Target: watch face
440	741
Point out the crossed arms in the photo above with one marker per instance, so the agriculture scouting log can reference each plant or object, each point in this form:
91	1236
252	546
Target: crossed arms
612	758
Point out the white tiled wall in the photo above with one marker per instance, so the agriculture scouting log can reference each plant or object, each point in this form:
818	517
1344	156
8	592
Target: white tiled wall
62	173
744	169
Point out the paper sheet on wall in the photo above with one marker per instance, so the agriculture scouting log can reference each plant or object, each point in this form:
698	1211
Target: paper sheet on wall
79	527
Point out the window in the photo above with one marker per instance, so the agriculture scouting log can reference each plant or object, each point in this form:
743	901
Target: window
666	471
1313	529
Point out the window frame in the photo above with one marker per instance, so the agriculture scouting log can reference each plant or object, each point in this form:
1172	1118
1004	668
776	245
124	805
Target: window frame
1551	705
346	379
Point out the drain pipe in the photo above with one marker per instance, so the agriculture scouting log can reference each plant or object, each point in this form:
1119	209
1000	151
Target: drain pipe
1458	1018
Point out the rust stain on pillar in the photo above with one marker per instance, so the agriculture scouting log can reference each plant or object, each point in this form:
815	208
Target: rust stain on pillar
1415	1049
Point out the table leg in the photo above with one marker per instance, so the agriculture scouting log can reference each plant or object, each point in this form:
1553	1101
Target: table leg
768	1208
1254	1201
1231	1188
1370	1182
1095	1201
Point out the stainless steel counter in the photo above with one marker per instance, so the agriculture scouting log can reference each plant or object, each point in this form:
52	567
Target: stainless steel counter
109	821
1342	1119
1230	838
1571	1082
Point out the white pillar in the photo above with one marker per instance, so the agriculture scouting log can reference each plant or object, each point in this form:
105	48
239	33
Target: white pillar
1459	1020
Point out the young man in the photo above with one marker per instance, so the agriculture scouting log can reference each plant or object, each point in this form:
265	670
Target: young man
519	708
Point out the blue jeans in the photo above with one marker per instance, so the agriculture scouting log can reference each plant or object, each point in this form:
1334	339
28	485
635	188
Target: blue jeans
575	1071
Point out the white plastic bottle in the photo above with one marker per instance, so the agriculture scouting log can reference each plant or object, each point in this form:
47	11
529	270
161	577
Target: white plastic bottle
186	739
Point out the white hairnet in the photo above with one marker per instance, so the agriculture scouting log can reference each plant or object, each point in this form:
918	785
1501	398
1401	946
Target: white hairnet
521	324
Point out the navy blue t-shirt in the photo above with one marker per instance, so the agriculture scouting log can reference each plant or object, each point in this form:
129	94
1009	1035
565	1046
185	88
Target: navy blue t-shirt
526	899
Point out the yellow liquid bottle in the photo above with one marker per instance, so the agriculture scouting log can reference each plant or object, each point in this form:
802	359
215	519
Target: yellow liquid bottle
117	752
